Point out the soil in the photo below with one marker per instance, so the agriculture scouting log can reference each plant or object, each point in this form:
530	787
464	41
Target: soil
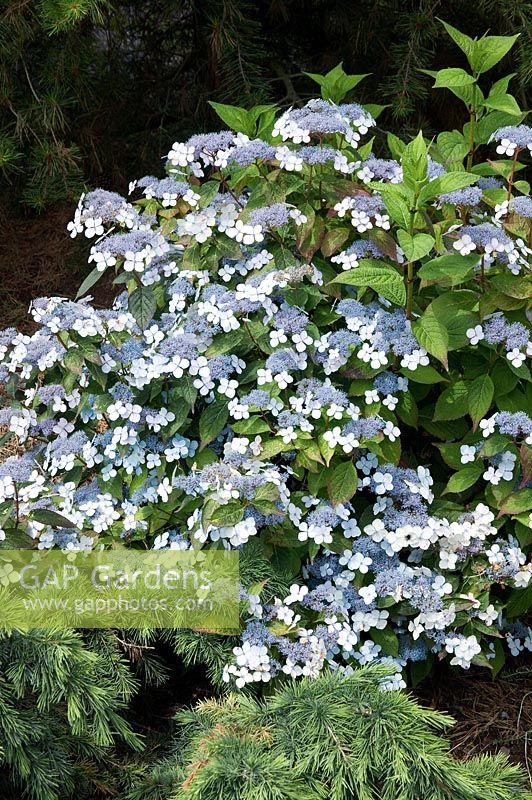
492	715
38	259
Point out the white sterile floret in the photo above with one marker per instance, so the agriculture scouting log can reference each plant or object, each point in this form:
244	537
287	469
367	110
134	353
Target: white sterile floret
475	335
465	245
506	148
247	234
467	453
516	357
296	594
288	159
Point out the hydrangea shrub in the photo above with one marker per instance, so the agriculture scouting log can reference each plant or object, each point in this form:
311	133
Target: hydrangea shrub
316	350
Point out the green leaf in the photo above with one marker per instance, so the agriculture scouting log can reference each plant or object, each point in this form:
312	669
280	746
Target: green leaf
452	268
453	146
185	388
271	448
221	515
334	240
519	288
453	310
501	86
489	50
325	449
519	602
452	403
378	276
92	278
465	478
464	42
212	422
415	247
407	409
517	502
142	304
375	109
446	183
74	359
310	236
454	76
396	203
226	343
51	518
414	159
432	335
503	102
388	641
336	83
342	484
489	124
494	444
426	375
236	118
450	452
480	397
395	145
419	670
251	426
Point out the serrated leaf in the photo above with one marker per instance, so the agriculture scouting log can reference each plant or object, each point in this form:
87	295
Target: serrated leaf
415	247
414	159
489	50
251	426
334	241
446	183
452	76
452	403
185	388
212	421
142	304
432	335
464	478
342	483
396	204
452	145
236	118
517	502
407	409
395	145
92	278
73	360
503	102
450	452
325	449
454	268
271	448
426	375
480	397
378	276
387	640
53	518
519	602
464	42
221	515
518	288
494	444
